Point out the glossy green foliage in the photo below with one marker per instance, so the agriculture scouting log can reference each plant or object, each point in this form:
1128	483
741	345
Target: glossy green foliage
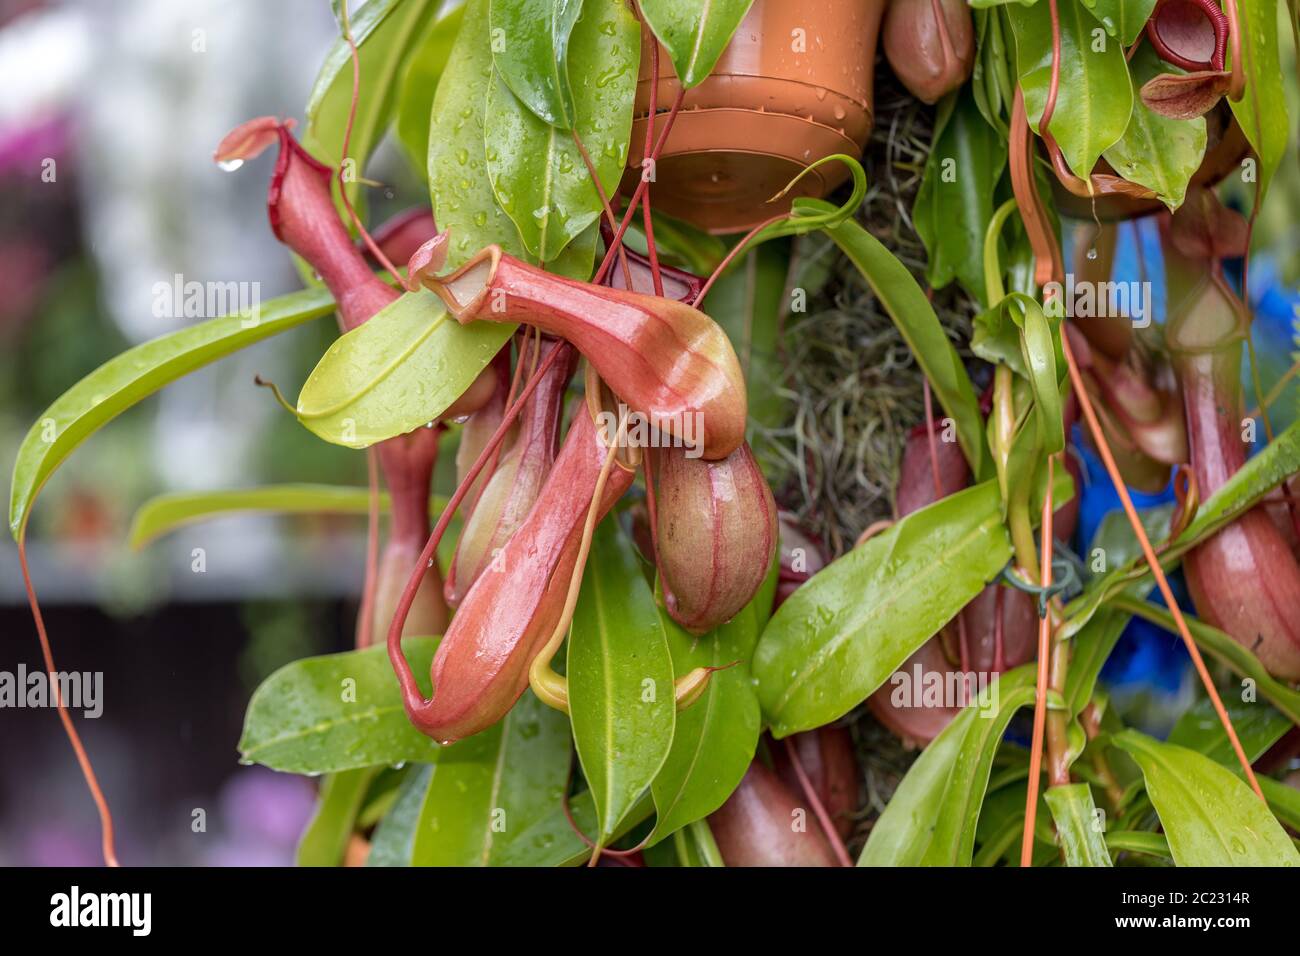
841	635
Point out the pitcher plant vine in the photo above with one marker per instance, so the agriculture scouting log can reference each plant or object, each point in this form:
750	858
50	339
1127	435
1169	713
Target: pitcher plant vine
625	579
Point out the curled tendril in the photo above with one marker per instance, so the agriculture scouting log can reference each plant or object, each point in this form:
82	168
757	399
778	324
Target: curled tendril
1065	579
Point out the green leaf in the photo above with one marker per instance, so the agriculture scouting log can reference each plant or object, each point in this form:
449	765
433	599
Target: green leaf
1039	349
955	201
1091	647
552	842
620	672
1123	19
1137	841
384	31
1224	648
1095	97
326	838
487	790
165	513
461	192
1258	727
396	372
1283	800
394	837
420	80
139	372
532	54
932	817
694	32
912	313
1115	537
991	72
841	635
1075	816
996	338
1210	817
337	712
715	737
1262	112
537	172
1156	151
681	244
695	846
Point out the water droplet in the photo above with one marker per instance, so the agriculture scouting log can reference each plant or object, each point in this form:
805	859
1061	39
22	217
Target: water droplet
230	165
613	73
1092	252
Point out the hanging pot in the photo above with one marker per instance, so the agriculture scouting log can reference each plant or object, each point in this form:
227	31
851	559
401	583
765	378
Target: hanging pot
792	87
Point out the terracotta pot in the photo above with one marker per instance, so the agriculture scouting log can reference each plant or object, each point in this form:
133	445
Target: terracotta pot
1225	147
777	100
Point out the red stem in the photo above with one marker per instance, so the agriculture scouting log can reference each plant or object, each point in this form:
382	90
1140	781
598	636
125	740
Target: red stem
87	771
604	201
347	137
651	251
640	188
735	251
410	689
1040	691
819	811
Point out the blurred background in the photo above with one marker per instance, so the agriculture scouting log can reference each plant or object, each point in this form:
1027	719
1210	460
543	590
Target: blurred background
107	126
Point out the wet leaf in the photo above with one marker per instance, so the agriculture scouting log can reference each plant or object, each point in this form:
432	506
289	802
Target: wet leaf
461	192
396	372
537	172
1123	19
463	200
135	374
932	817
1258	727
1075	815
385	32
489	789
1210	816
420	81
337	712
1156	151
955	201
552	842
1262	112
620	672
532	54
1095	96
841	635
694	32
